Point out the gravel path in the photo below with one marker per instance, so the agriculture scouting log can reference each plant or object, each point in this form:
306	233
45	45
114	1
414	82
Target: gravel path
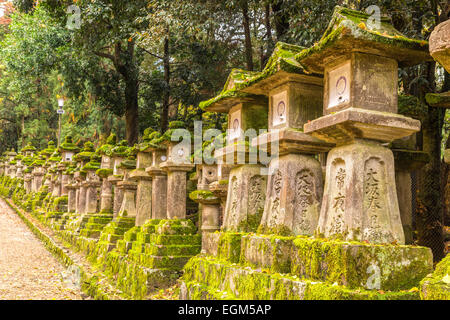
27	270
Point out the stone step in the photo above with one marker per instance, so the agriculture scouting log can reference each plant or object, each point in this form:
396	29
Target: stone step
176	250
123	246
194	239
352	264
205	275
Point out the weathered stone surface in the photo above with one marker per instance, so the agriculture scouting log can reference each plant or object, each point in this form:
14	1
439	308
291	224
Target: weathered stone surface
143	201
210	212
436	286
360	199
246	196
208	278
346	125
206	174
294	195
81	200
440	44
128	207
118	193
176	188
210	243
385	267
92	196
106	196
267	252
361	81
289	140
293	103
350	31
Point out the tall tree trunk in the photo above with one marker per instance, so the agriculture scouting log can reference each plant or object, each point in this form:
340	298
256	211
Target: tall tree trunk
166	95
281	19
248	39
269	41
131	111
126	65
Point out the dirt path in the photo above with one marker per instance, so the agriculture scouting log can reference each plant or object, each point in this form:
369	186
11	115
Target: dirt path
27	270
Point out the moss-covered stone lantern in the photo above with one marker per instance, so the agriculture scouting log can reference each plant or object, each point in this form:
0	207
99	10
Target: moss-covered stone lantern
247	114
159	176
176	166
128	187
92	184
294	189
105	171
82	158
143	179
360	113
118	154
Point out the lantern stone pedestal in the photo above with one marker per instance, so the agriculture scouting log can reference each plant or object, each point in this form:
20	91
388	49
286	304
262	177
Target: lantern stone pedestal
176	188
144	186
118	193
360	198
38	176
106	196
143	195
81	194
159	192
128	207
246	192
28	180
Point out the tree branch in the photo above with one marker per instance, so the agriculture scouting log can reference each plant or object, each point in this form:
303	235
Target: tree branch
152	54
104	55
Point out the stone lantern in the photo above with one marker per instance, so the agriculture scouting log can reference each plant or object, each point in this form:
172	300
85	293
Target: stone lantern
55	175
82	159
128	187
143	179
247	184
159	177
220	187
37	173
68	188
176	166
360	67
295	185
12	163
118	154
71	187
209	203
105	171
29	150
43	167
19	166
92	184
68	149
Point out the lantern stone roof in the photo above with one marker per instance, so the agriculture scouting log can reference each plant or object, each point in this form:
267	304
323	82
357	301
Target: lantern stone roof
231	95
68	145
350	31
106	148
29	147
281	67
